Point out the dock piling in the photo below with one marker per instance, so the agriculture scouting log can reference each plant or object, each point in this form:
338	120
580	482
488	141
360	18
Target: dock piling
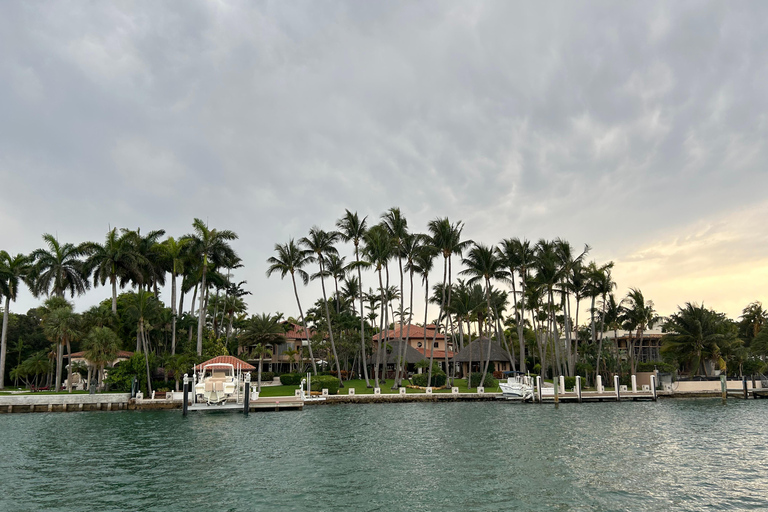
599	384
538	387
247	393
557	397
616	385
578	387
634	383
724	387
653	386
185	401
744	386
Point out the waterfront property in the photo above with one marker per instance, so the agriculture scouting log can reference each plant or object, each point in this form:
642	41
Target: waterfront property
476	354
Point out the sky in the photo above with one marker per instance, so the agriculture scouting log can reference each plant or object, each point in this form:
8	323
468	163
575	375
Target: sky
638	128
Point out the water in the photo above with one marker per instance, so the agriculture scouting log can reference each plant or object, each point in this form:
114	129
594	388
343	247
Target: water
670	455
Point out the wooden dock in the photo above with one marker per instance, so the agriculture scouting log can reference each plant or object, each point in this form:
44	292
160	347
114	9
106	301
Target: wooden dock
277	403
593	396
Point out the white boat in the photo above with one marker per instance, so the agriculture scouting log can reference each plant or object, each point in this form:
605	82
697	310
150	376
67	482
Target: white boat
216	383
518	386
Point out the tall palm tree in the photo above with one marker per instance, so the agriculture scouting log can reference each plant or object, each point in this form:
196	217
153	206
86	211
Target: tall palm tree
319	246
13	269
212	249
548	274
59	269
446	239
377	251
174	252
61	326
696	334
290	259
397	227
412	246
569	265
518	257
140	310
115	260
639	314
352	228
599	284
483	264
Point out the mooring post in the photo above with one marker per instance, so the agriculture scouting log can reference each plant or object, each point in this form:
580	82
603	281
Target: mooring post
247	397
578	387
185	400
653	386
557	394
724	387
616	385
538	387
561	379
744	385
599	384
634	383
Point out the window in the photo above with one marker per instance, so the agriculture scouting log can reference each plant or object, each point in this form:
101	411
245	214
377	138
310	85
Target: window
437	344
418	344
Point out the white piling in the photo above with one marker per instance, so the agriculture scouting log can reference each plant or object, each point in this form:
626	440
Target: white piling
600	388
538	387
578	387
562	384
653	386
616	387
634	383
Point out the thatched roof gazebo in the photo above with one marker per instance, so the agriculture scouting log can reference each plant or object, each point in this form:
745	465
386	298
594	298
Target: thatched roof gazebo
478	350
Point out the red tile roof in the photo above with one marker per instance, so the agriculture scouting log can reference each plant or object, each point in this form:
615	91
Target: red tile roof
417	332
297	332
239	364
439	355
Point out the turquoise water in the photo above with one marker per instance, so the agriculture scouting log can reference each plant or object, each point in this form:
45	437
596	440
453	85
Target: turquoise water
670	455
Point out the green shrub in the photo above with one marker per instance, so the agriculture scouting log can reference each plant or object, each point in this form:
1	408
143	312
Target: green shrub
326	382
265	376
475	378
570	382
438	379
291	379
537	369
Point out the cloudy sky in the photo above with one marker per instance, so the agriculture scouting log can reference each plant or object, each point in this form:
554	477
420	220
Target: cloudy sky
639	128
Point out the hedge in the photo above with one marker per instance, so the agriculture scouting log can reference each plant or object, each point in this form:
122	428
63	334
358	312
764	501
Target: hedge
265	376
438	379
290	379
325	382
490	382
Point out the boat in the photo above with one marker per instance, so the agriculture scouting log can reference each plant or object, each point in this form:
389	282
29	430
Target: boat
518	386
216	383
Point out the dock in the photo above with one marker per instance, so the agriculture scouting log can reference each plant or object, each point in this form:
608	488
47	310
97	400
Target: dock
277	403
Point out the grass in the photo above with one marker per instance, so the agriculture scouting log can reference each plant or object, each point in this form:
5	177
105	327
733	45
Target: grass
74	392
361	389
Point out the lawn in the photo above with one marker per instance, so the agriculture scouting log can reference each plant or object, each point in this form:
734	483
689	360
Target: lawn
360	389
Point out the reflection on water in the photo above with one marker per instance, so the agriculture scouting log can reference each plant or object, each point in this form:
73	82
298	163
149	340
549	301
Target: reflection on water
670	455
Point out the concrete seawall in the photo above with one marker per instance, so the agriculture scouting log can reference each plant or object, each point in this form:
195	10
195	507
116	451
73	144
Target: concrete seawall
64	403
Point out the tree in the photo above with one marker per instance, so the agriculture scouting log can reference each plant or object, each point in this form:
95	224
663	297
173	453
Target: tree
211	247
639	314
319	246
174	253
101	346
59	269
696	334
291	260
140	310
352	228
377	252
446	239
397	227
13	270
483	264
518	257
61	326
115	260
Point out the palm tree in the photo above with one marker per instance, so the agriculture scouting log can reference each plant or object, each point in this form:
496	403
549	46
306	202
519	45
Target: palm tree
599	284
59	269
140	310
377	251
446	239
212	249
352	228
412	246
174	252
101	346
61	326
696	334
569	266
639	315
483	264
13	269
320	245
291	260
548	274
261	351
518	257
397	227
116	259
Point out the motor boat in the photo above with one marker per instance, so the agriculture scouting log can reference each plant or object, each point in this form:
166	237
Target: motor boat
518	386
216	383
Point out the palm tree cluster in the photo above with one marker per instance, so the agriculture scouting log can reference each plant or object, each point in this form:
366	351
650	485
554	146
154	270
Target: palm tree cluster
200	262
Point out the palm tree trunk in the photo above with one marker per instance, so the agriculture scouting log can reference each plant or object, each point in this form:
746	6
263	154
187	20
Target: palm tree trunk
447	308
304	324
258	385
201	313
114	293
173	310
382	342
146	358
398	362
362	319
439	317
4	341
488	303
330	328
69	367
519	319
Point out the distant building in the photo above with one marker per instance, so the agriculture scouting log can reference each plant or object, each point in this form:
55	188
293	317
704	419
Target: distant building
419	338
477	353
